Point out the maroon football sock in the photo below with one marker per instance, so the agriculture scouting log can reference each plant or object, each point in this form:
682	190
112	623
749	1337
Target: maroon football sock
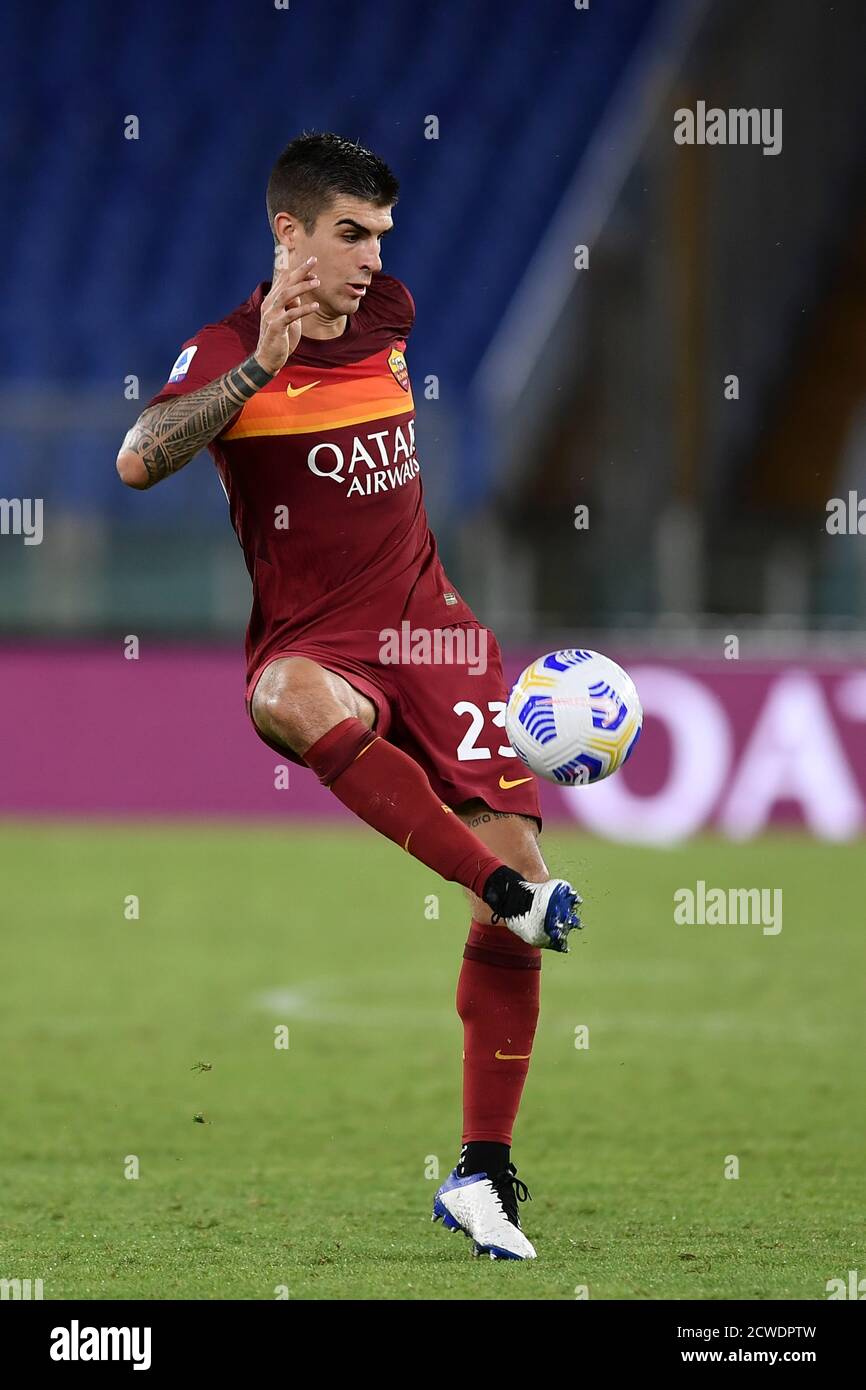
498	1000
388	790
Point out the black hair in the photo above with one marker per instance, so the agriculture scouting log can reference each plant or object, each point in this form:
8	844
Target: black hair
317	167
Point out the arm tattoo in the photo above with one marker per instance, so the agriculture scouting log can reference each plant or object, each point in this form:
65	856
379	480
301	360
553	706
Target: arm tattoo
169	434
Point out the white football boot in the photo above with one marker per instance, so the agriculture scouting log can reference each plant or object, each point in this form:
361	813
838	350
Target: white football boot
541	914
486	1210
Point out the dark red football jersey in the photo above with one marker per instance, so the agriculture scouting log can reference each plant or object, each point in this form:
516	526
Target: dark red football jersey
322	478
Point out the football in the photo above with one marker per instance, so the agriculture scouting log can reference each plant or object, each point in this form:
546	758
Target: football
573	717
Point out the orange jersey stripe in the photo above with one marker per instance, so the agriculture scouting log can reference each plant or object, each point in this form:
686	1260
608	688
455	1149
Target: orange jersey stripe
323	407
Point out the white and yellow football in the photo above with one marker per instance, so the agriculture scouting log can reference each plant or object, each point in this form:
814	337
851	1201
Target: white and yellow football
573	717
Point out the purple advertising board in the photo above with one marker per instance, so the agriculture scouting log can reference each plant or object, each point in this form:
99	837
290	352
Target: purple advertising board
735	746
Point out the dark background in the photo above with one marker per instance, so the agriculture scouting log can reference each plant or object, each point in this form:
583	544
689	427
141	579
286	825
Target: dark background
540	387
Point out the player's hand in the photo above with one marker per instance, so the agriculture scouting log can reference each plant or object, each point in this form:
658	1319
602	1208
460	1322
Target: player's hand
282	312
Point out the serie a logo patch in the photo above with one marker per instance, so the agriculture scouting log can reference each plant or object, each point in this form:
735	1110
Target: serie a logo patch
397	363
181	366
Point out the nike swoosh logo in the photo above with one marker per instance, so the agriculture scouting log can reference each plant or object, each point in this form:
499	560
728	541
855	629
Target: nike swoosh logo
505	784
512	1056
292	391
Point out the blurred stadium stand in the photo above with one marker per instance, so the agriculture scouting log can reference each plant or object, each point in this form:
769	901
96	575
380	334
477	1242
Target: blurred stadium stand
555	127
710	261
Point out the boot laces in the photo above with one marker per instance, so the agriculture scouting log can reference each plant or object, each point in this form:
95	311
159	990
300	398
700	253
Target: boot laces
510	1189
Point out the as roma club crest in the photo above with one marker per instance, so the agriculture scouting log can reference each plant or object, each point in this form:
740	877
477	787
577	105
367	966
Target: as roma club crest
397	363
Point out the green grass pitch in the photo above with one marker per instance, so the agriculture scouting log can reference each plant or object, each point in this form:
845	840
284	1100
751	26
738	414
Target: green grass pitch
310	1172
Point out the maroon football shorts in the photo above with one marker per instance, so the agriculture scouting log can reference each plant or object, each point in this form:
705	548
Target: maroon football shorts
446	713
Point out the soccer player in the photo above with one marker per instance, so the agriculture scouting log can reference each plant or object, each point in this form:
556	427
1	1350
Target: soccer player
303	398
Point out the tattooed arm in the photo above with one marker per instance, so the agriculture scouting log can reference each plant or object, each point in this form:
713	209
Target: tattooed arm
166	436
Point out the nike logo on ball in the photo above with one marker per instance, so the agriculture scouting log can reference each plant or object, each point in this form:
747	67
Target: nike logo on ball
293	391
505	784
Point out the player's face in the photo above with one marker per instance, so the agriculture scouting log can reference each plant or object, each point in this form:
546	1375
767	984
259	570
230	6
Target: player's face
347	239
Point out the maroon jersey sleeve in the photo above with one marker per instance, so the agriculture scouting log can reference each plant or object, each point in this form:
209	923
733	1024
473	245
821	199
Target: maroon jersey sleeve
212	352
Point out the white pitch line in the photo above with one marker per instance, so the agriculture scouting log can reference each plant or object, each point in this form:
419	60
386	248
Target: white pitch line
312	1004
